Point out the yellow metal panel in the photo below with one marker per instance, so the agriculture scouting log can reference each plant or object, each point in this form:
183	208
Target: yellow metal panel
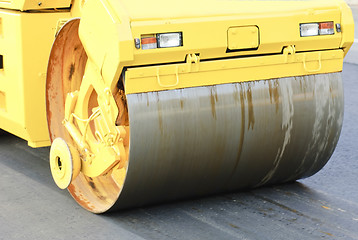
204	29
347	23
25	44
2	101
176	76
11	75
276	30
110	47
246	37
34	4
186	9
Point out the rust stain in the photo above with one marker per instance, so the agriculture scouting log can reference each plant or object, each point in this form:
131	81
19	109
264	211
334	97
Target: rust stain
270	90
213	110
242	130
250	108
216	94
92	185
332	92
274	94
181	104
213	100
78	47
79	198
96	188
71	71
301	80
236	94
103	198
160	121
303	84
160	117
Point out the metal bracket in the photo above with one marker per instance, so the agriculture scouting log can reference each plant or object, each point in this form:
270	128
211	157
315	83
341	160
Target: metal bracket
289	50
319	67
109	150
169	85
192	62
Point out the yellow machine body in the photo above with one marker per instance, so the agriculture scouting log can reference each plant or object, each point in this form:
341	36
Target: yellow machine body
78	91
26	40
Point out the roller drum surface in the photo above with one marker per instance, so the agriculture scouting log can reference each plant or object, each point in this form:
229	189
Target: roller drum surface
198	141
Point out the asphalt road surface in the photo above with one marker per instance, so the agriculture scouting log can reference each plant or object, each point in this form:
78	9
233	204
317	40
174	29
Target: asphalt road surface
324	206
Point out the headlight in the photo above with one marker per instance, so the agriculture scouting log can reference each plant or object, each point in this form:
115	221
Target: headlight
159	40
309	29
166	40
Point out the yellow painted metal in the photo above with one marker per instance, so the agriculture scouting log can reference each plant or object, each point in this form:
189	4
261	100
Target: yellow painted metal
245	37
347	23
112	48
98	139
65	163
25	43
214	44
34	4
145	79
266	33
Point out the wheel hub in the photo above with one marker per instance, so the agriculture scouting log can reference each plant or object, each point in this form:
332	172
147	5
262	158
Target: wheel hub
65	163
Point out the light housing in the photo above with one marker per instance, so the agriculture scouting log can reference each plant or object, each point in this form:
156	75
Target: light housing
166	40
149	42
316	29
161	40
309	29
326	28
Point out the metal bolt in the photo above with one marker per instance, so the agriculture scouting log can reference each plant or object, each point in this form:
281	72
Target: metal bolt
338	27
137	43
40	3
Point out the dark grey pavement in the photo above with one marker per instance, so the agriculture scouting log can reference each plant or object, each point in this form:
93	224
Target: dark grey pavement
324	206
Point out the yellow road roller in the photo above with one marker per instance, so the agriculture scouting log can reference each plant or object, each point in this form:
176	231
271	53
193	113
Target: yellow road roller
151	101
